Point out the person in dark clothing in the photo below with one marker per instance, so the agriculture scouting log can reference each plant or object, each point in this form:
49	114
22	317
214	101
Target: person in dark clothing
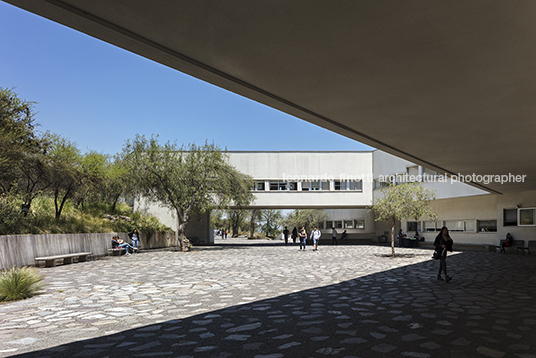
443	243
294	234
285	234
507	243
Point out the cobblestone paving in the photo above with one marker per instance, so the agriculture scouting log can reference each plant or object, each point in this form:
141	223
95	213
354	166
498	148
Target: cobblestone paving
243	299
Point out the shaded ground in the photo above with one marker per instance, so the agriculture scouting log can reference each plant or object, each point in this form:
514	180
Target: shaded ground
243	299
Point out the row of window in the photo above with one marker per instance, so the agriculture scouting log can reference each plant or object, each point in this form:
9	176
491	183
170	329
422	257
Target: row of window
454	225
344	224
519	217
317	185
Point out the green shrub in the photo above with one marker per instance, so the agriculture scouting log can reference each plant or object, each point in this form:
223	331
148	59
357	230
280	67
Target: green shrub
20	283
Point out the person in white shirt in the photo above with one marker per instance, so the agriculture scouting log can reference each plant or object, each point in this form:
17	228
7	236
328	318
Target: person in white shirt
315	235
334	236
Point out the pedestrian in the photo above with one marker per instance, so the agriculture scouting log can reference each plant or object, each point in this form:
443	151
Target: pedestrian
315	235
135	237
285	234
302	235
294	234
343	235
334	236
400	238
225	234
443	243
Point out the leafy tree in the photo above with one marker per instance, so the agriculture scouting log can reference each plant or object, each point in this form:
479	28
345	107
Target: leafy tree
190	180
254	217
271	221
401	202
309	218
17	137
236	219
93	167
65	162
116	180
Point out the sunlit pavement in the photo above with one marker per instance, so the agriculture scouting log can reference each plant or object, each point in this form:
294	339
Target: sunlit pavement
245	298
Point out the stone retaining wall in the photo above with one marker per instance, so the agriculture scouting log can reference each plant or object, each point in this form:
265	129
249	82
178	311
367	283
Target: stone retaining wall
20	250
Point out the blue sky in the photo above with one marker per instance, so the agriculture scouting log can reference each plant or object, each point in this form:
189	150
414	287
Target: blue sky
98	95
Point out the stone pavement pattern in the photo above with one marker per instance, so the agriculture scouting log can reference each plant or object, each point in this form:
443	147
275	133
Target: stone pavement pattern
270	301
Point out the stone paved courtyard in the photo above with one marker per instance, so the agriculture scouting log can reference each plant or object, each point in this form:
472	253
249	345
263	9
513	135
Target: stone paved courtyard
262	299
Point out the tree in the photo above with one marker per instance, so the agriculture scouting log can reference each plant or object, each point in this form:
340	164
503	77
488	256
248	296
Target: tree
401	202
66	168
308	218
191	180
271	221
236	219
116	180
254	216
18	139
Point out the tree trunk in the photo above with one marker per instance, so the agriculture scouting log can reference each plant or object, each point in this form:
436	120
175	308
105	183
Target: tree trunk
182	245
393	238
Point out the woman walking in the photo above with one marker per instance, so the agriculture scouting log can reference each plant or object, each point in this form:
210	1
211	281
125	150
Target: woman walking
443	243
302	235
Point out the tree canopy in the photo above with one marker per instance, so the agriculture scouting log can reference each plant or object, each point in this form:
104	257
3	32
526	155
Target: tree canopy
308	218
402	202
188	180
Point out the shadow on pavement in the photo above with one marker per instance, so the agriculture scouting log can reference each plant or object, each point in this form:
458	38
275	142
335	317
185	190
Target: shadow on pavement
488	310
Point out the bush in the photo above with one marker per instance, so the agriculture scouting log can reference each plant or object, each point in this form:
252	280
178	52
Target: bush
20	283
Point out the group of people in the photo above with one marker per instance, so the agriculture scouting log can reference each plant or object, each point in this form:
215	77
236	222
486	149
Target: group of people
301	236
134	236
222	233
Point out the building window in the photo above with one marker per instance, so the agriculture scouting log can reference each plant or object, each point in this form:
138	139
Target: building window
349	185
329	224
413	226
526	216
348	224
278	185
510	217
258	185
455	225
432	226
315	185
360	224
470	225
337	224
292	185
487	225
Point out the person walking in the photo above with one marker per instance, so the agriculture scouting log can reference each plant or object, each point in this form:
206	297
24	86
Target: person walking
334	236
294	234
285	234
315	235
302	235
443	243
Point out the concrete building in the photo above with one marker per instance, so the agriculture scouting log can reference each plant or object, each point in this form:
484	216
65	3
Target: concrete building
344	184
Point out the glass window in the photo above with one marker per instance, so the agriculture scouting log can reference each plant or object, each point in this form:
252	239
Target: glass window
470	225
325	185
278	185
487	225
431	226
360	224
293	186
338	224
455	225
413	226
329	224
259	186
348	224
526	216
356	185
340	185
510	217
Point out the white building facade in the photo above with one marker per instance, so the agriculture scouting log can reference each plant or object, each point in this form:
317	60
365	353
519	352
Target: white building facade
344	185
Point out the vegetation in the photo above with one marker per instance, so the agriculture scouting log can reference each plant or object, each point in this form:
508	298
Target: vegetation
48	186
188	180
309	218
402	202
20	283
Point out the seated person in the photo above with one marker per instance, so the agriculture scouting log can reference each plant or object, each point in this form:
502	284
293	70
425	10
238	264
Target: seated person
507	243
343	236
118	243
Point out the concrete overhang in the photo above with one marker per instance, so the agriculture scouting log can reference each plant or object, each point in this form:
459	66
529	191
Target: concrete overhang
450	85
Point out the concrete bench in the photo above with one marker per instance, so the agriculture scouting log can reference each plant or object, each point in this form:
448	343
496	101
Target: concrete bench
117	252
50	261
516	246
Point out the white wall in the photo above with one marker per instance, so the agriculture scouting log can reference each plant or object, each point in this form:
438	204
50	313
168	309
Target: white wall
296	166
525	199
